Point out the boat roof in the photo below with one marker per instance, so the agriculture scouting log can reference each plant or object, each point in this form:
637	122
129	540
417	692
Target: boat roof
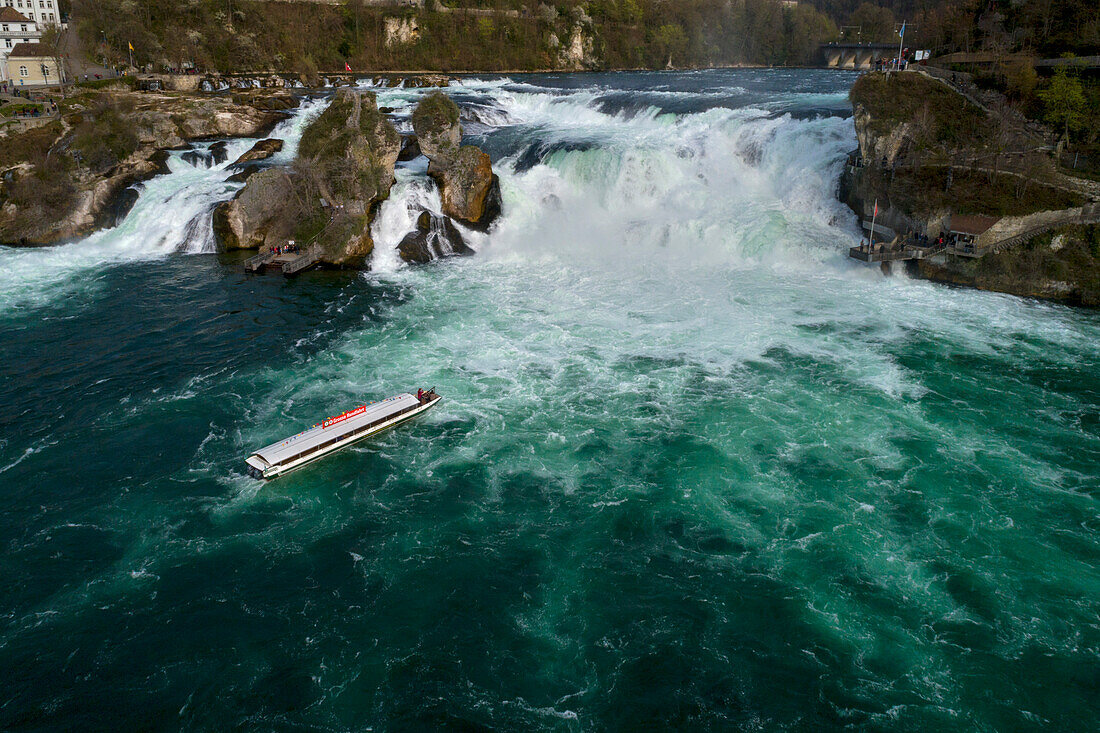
338	425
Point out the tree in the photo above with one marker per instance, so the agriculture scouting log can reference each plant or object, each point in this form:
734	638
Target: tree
53	39
670	40
876	24
1064	100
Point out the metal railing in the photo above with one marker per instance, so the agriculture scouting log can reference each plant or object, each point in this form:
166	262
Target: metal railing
307	259
254	263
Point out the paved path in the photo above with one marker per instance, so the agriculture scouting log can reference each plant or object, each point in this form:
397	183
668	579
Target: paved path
78	62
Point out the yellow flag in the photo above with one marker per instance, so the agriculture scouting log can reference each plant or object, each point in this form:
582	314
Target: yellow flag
130	45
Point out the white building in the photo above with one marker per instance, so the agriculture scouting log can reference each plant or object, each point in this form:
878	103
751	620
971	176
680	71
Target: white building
42	12
15	28
30	64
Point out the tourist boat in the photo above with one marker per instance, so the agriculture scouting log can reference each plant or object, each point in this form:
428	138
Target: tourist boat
337	432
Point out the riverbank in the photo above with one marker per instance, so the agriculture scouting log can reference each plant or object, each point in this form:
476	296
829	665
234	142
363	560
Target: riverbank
69	178
963	191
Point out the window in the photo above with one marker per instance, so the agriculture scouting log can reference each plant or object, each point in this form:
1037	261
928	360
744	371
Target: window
22	71
8	41
23	27
5	27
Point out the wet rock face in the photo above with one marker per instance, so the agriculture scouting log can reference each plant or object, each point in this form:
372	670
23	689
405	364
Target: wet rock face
197	158
260	151
470	191
253	218
219	153
435	237
464	174
410	149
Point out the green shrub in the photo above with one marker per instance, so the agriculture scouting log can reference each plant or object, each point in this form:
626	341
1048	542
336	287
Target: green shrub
30	146
436	110
104	138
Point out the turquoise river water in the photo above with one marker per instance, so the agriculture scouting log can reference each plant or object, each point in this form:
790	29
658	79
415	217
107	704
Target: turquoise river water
694	469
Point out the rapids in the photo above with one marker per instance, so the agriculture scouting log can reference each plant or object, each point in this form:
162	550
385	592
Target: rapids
693	468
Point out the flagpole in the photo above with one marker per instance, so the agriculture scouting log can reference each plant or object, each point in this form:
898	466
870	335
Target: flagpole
901	40
131	54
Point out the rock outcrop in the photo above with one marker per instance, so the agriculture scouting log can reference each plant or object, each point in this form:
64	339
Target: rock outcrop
254	217
464	174
329	197
65	179
435	237
400	31
262	150
1063	265
930	154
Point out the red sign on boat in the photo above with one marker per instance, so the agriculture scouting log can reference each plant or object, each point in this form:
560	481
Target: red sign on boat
344	416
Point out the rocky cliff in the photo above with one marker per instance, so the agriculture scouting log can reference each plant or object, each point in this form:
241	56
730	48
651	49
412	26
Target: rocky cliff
1063	265
63	181
464	173
329	196
928	151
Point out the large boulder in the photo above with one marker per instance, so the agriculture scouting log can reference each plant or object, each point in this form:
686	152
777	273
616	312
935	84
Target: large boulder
435	121
253	218
435	237
260	151
346	158
464	173
329	197
470	191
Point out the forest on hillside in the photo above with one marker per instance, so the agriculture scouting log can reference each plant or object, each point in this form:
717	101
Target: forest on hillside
252	35
235	35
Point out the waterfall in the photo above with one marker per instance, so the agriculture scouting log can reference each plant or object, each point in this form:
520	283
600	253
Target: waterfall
172	214
606	176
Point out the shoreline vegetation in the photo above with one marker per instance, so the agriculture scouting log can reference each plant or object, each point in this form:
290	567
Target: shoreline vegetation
504	36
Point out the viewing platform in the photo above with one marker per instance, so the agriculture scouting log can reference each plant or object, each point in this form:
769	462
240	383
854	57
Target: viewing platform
289	263
883	252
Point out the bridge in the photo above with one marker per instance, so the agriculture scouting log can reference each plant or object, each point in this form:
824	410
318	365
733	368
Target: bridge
856	55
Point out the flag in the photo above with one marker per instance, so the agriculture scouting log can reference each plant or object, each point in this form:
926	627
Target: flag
876	208
347	66
901	33
130	45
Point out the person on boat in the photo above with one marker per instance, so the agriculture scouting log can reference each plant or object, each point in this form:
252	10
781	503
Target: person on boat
420	395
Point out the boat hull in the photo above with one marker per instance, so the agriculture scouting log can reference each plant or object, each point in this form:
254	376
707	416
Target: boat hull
274	472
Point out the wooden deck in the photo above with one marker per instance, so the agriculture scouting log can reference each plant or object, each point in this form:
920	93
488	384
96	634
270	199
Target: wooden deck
289	263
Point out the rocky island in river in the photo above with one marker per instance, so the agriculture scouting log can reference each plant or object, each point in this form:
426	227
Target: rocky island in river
327	200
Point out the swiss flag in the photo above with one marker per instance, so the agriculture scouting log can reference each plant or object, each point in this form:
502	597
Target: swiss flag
347	66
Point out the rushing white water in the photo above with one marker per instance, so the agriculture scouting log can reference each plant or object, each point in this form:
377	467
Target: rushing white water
718	184
691	461
172	214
